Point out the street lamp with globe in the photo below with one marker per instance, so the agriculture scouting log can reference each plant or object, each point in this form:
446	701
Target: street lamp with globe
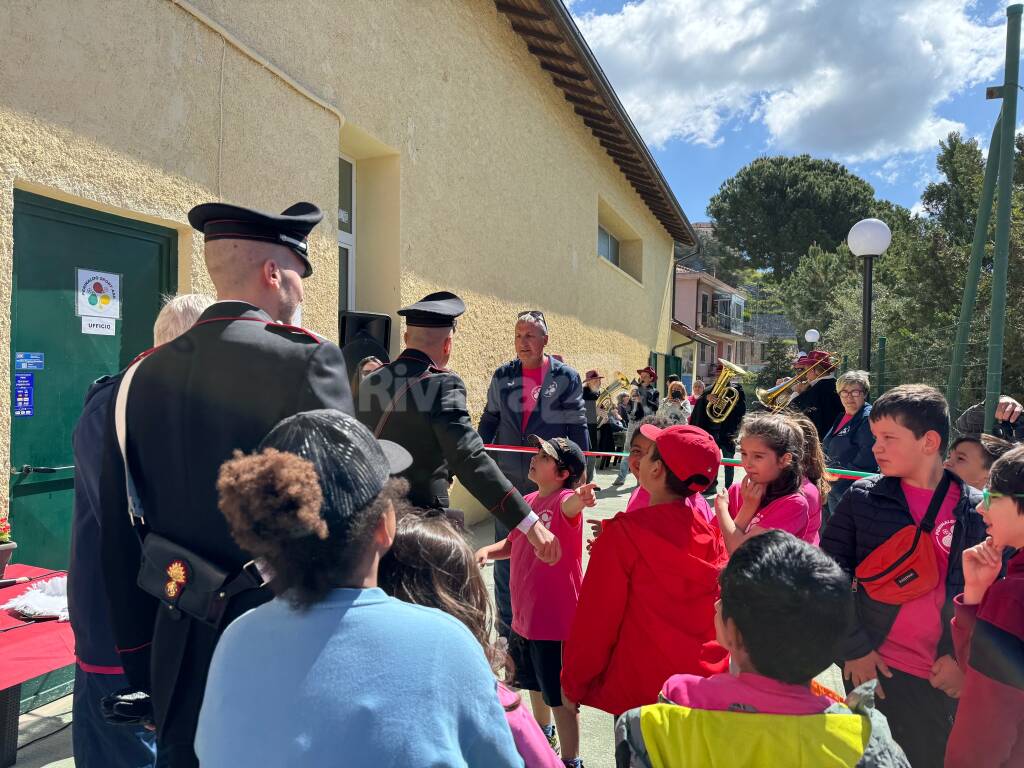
811	337
868	238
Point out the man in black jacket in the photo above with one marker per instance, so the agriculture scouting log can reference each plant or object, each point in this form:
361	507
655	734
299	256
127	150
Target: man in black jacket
724	432
418	403
216	389
817	398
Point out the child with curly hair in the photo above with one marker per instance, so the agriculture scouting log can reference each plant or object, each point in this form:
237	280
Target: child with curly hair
333	668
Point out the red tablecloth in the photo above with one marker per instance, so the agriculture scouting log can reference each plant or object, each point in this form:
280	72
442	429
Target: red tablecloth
36	648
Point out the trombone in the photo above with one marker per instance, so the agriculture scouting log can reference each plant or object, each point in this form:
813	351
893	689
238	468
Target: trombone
726	395
781	395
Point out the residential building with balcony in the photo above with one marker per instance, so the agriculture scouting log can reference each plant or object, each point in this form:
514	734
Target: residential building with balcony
708	314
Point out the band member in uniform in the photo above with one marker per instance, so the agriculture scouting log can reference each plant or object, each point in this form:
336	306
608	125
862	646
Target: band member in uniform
418	403
182	411
817	399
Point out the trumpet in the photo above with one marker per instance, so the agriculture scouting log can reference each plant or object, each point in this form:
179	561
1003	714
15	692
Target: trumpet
607	397
781	395
726	396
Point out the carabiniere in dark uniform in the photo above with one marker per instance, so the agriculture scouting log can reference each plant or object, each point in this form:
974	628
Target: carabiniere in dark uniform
218	388
423	407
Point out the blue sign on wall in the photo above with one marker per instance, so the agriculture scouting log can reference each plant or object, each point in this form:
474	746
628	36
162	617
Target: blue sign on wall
24	394
29	361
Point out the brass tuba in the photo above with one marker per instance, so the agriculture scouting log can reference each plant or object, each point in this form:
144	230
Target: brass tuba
781	395
607	397
727	396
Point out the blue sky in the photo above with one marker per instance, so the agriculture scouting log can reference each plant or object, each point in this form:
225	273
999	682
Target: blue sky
875	84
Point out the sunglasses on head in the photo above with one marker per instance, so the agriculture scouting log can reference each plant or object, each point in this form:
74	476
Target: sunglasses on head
534	313
987	494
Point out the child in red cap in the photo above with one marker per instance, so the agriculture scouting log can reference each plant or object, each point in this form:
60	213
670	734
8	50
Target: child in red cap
647	606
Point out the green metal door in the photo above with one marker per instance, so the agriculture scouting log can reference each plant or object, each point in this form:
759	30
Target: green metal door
86	291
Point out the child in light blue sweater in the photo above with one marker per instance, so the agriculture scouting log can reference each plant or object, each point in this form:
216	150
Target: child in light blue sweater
333	671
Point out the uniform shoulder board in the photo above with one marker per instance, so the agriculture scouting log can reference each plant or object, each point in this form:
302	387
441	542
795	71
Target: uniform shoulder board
295	331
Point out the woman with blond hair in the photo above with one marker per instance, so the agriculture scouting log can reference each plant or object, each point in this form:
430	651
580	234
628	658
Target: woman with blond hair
848	444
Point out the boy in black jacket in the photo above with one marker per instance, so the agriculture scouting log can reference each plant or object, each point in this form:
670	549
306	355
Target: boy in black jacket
910	644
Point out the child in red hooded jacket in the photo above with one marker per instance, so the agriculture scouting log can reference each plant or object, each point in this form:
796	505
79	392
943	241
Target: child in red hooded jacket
647	606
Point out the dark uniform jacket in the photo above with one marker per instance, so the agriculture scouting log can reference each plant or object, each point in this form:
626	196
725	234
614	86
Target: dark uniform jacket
559	413
423	408
820	403
872	510
218	388
724	432
87	604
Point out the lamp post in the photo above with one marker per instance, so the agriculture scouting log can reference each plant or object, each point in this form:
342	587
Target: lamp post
868	238
811	337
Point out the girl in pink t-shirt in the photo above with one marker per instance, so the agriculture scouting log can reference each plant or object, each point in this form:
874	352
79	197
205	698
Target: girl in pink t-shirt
773	492
816	486
544	597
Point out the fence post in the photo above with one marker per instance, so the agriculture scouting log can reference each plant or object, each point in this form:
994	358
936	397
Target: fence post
881	364
963	331
1004	190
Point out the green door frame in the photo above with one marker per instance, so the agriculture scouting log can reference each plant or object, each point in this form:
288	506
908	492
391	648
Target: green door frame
59	682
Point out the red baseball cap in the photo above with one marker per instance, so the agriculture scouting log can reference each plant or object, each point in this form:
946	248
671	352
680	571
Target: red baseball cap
690	452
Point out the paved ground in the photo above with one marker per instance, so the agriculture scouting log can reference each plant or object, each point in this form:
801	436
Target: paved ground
53	748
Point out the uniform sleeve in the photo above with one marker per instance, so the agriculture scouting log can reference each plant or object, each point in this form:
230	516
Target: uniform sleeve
327	381
839	540
599	615
132	611
492	411
467	460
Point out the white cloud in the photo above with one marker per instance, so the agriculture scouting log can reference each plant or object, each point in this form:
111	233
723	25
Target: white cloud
861	80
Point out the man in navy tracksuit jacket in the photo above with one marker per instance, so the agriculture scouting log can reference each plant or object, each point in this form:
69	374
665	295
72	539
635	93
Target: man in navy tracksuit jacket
536	394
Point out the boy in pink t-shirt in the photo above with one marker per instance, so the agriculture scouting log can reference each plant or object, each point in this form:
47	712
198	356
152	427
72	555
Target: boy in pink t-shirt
907	645
544	597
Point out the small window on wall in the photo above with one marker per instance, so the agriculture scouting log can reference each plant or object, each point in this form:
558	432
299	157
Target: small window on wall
703	353
607	246
346	235
618	242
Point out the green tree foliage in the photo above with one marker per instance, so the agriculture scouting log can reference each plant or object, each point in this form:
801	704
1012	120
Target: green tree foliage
778	364
775	208
918	281
720	260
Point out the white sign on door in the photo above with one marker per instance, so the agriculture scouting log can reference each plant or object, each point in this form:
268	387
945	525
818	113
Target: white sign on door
98	294
99	326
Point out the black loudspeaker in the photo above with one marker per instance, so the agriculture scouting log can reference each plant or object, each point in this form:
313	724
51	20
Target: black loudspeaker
362	334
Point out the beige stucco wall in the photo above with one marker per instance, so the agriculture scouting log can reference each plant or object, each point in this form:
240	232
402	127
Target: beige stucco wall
473	172
500	179
117	106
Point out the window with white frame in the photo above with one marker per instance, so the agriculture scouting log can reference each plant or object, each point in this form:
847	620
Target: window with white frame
607	246
346	234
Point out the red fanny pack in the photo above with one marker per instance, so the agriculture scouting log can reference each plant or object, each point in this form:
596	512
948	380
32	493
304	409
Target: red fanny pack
904	567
